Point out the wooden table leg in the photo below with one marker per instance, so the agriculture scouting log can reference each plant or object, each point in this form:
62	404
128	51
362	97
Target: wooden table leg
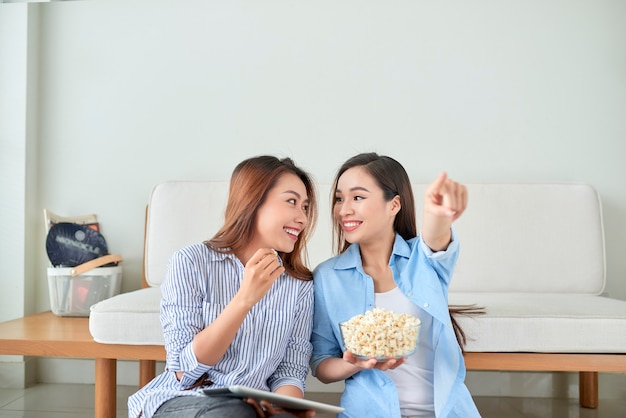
588	389
106	385
147	371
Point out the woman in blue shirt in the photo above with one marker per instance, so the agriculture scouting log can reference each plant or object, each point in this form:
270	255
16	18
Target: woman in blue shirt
383	263
237	309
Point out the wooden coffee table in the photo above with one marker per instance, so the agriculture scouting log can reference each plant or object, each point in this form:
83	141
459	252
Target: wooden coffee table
47	335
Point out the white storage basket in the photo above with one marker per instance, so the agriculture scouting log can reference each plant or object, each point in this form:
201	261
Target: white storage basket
73	291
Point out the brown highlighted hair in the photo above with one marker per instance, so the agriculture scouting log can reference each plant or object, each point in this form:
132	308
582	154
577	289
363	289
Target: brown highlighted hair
250	183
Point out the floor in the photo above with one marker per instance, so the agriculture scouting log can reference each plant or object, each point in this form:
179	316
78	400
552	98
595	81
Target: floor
76	401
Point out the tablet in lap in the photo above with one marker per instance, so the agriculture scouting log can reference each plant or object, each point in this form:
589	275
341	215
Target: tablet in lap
284	401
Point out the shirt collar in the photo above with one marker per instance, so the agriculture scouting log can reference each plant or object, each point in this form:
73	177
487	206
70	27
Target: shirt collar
351	258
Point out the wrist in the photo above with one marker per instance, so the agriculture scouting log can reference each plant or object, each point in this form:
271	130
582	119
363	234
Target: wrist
241	303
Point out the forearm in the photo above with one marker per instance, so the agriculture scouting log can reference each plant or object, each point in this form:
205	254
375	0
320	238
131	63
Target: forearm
334	369
436	232
210	344
290	390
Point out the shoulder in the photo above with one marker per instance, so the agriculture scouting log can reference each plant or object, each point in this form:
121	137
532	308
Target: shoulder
349	259
324	271
333	271
304	286
198	252
326	265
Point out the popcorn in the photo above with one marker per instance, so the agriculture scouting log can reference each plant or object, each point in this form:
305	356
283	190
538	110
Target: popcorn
380	333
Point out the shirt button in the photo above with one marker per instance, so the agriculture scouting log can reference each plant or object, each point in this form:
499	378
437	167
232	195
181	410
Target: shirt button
426	304
410	294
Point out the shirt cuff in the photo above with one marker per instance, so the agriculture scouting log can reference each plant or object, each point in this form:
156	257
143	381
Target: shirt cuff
438	255
190	365
286	381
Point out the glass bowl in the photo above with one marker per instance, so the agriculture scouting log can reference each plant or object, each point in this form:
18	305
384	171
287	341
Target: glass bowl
382	342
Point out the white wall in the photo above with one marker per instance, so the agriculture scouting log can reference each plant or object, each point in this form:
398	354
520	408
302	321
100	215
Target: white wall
18	176
132	93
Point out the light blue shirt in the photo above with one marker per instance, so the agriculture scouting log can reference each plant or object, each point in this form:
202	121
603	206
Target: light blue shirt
271	348
343	289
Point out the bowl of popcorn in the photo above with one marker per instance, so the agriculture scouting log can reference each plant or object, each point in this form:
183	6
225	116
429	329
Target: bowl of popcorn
380	333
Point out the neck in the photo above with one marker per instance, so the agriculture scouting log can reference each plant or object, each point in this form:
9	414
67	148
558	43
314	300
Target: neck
375	259
244	254
376	254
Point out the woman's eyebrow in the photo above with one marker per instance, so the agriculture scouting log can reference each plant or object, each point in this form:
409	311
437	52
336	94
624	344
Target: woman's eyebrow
293	192
354	189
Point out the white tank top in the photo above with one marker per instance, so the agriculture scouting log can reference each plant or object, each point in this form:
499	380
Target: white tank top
414	378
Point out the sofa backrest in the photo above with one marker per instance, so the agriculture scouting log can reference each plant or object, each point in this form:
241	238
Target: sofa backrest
543	238
514	237
180	213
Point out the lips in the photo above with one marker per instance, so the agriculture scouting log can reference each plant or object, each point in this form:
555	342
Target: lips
293	233
349	226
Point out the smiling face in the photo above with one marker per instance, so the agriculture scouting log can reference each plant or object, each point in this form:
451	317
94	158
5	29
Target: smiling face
361	210
282	216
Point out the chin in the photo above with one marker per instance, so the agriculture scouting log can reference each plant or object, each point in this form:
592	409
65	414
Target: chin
285	249
350	239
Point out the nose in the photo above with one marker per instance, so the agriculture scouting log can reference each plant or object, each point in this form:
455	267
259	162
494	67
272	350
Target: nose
301	217
344	208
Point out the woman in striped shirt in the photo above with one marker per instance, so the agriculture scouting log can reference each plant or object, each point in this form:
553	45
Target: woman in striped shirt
237	309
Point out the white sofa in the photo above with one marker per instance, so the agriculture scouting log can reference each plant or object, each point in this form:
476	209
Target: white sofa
532	254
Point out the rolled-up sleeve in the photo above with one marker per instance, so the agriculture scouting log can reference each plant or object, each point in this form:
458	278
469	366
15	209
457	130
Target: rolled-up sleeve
442	262
182	316
452	249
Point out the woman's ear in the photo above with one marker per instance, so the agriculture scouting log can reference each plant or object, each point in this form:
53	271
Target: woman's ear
396	205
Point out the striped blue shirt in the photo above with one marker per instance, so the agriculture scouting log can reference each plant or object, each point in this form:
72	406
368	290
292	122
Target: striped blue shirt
270	349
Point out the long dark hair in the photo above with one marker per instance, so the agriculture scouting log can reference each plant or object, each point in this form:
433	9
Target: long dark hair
250	182
393	179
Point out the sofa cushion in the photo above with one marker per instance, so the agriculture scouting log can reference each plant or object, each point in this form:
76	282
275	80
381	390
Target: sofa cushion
531	238
129	318
514	322
180	213
536	322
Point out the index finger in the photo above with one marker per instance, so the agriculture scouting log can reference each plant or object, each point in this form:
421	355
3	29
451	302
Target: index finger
439	181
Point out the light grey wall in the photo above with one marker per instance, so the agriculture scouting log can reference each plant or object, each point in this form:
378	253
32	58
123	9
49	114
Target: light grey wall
18	176
132	93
